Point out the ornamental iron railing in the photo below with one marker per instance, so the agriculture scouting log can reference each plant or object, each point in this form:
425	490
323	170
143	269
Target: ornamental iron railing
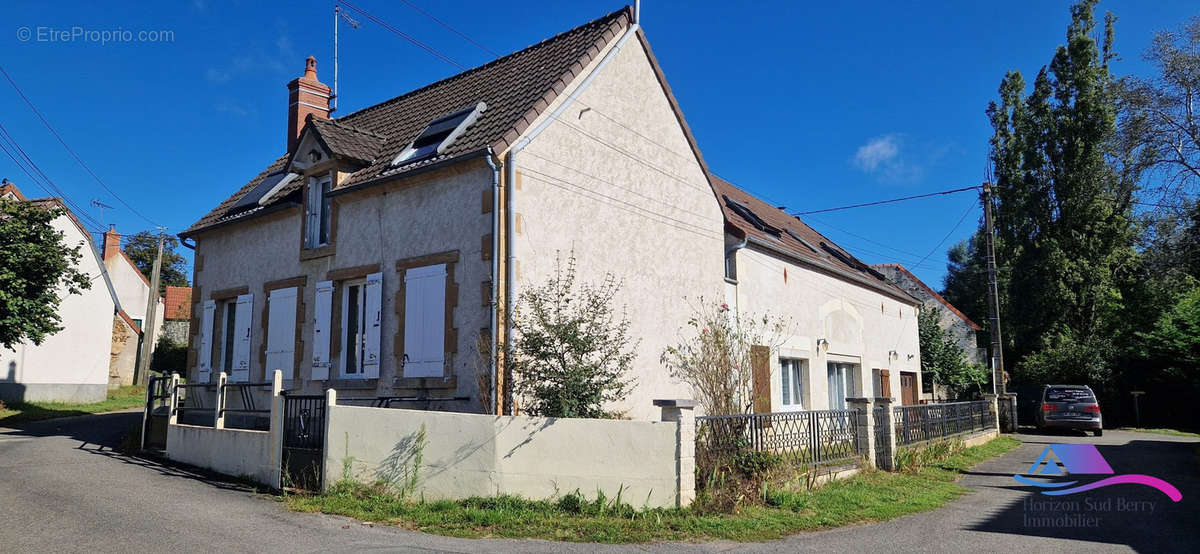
934	421
809	438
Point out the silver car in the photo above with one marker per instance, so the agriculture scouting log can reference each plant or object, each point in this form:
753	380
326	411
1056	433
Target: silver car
1070	407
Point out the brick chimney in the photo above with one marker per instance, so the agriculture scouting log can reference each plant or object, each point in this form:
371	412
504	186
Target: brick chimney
112	243
306	95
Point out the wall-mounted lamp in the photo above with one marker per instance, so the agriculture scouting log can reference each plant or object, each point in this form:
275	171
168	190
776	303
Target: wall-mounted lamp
822	343
911	356
894	355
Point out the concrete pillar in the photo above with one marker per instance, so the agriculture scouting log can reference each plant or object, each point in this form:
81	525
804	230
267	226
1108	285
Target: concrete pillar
327	479
887	458
1008	404
219	402
173	409
275	429
864	420
682	412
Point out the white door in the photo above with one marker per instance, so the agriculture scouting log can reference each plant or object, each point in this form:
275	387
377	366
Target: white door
241	346
425	321
281	332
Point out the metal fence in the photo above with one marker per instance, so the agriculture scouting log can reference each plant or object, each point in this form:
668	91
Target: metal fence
810	438
881	435
934	421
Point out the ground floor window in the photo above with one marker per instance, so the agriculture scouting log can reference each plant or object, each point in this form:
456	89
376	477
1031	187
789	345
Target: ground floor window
228	329
353	314
791	381
841	377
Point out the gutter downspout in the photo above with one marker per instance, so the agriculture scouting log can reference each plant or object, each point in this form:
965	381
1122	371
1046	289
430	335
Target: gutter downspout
510	178
495	336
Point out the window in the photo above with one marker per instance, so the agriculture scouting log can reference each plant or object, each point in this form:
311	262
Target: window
791	382
232	326
731	266
841	378
353	314
318	217
439	135
228	334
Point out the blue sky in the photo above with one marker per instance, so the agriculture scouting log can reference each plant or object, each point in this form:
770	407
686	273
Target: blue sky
808	105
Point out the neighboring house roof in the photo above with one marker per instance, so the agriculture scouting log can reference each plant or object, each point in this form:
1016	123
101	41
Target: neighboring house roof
178	303
775	229
931	292
516	88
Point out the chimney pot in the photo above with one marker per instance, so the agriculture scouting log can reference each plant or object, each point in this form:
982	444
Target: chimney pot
306	96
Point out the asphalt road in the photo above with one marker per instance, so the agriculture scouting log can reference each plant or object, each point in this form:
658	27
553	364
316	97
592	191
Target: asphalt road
64	489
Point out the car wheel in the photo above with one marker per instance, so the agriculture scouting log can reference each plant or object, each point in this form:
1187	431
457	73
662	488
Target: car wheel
1098	432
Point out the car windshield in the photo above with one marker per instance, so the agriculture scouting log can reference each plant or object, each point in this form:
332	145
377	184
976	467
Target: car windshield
1068	394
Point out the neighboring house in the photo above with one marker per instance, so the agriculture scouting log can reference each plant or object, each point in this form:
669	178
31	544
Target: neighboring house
133	289
950	318
853	334
72	365
178	312
383	252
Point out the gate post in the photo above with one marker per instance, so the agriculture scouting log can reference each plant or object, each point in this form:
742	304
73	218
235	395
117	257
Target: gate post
888	441
275	430
864	420
681	412
330	402
219	404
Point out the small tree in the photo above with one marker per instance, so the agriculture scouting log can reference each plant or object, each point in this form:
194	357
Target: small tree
572	353
942	357
716	360
142	248
36	267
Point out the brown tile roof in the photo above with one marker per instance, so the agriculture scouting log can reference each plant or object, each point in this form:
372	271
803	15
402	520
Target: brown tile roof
178	303
516	88
788	234
346	141
933	294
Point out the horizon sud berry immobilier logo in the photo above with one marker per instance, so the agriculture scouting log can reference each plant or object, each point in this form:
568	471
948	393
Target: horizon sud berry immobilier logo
1060	461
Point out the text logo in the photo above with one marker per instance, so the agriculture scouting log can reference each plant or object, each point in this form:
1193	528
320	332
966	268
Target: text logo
1084	459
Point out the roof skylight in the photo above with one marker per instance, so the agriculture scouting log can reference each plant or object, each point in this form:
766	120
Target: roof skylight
751	217
259	195
439	135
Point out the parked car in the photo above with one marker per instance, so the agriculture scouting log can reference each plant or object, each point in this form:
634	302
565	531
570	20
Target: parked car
1070	407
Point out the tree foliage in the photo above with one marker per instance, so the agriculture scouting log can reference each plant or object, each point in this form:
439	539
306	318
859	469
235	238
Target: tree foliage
942	357
1174	341
1064	226
715	357
37	269
142	249
573	352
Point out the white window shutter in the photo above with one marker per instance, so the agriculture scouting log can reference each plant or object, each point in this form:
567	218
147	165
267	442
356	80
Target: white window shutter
373	302
425	321
241	346
321	328
204	354
281	332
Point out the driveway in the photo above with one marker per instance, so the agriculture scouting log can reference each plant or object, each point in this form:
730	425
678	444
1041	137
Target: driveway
64	489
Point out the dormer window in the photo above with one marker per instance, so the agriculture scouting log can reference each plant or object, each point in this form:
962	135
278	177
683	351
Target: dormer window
439	135
317	216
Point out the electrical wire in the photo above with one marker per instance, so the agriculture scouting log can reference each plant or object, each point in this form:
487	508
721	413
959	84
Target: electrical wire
33	171
970	208
879	202
79	160
431	50
452	29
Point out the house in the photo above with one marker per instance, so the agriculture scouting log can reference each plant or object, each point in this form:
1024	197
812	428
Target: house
177	307
852	333
383	252
950	318
133	289
74	364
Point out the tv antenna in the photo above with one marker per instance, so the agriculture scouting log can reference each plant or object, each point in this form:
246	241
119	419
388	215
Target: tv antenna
101	206
338	13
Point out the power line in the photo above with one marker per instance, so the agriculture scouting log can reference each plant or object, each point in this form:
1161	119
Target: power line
403	35
452	29
970	208
72	152
33	171
878	202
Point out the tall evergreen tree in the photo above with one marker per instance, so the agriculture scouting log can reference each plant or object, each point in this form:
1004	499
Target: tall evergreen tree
1063	212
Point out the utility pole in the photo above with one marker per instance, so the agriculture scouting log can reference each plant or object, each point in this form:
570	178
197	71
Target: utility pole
997	359
142	375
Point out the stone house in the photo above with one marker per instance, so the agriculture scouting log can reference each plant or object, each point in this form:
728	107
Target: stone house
177	308
383	252
950	318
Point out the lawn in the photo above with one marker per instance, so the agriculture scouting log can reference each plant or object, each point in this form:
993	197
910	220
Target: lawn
118	399
1171	432
868	497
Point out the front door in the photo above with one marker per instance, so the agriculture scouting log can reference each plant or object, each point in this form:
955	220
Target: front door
908	388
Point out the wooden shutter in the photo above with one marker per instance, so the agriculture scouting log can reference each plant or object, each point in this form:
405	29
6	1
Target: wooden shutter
885	383
204	355
323	310
243	315
760	363
373	300
425	321
281	332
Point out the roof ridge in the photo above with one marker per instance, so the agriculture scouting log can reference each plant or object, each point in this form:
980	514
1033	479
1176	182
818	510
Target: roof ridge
625	10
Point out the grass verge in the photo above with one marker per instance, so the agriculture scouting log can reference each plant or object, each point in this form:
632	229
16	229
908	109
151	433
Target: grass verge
1171	432
118	399
868	497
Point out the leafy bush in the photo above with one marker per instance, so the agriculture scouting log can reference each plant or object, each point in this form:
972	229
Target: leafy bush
169	356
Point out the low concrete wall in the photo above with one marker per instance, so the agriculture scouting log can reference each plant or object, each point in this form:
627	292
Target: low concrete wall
53	392
227	451
468	455
976	440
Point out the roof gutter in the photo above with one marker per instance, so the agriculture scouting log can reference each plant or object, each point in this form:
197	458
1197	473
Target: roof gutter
774	248
510	177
